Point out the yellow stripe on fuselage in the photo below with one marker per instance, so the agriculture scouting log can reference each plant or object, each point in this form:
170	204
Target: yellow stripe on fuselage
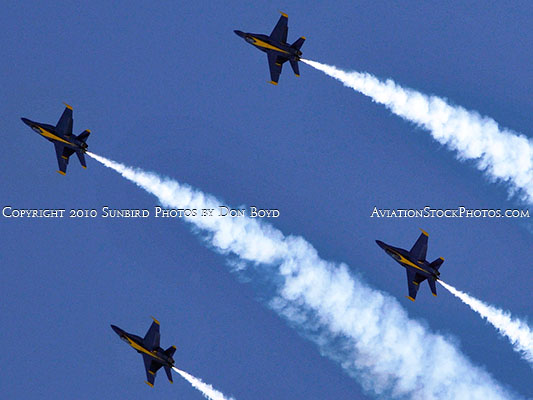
404	260
50	135
260	43
142	349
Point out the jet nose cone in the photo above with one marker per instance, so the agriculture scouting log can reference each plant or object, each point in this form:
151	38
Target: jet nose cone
117	330
380	244
26	121
239	33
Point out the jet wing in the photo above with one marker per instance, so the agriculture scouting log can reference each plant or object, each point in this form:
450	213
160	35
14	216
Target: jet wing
275	63
151	366
62	159
413	282
67	152
279	32
420	247
151	339
64	125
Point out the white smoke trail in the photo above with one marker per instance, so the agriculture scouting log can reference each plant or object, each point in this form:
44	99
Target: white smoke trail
517	331
207	390
501	153
366	331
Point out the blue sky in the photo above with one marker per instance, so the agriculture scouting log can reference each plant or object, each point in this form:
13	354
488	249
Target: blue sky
171	89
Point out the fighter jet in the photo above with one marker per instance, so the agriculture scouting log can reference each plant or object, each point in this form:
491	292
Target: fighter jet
415	264
277	48
64	141
154	357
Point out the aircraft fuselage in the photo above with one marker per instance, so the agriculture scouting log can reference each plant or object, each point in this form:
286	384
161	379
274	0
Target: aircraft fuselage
49	133
403	257
267	45
136	342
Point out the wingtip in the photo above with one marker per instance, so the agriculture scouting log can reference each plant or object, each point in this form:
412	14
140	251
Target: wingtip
274	83
149	384
285	15
434	294
297	75
442	258
410	298
62	173
84	167
68	106
156	321
424	232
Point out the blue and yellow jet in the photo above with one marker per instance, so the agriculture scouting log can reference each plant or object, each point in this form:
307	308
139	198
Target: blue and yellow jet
64	141
415	264
277	48
154	357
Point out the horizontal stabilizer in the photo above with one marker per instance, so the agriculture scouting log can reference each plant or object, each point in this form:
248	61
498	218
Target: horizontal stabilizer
169	374
170	351
294	65
84	135
299	42
81	157
432	286
437	263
